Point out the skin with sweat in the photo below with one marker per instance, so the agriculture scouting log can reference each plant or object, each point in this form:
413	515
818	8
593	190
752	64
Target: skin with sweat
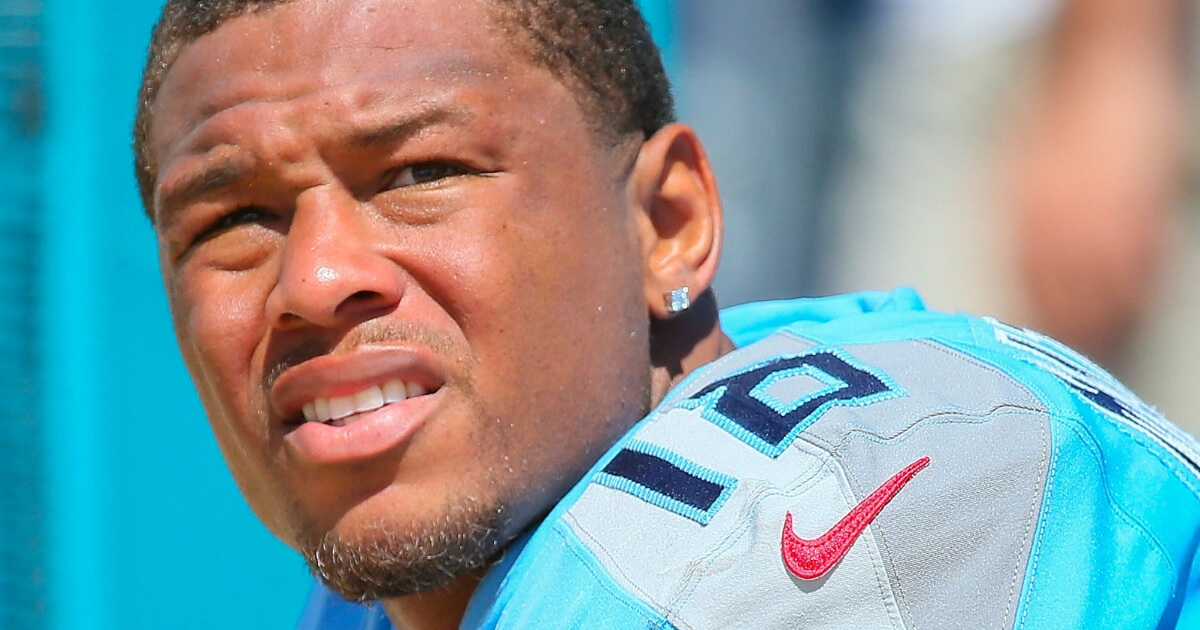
352	193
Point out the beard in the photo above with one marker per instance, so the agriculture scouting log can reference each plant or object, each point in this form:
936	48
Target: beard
396	555
385	561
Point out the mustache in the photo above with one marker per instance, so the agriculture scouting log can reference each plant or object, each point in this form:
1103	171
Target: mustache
378	333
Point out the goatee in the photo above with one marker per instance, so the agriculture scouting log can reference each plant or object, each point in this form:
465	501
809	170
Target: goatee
385	561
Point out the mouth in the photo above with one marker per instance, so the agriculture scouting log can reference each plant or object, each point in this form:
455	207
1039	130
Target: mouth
340	411
359	406
341	390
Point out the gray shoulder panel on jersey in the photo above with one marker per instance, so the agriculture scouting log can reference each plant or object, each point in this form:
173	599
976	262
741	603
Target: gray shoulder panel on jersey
947	551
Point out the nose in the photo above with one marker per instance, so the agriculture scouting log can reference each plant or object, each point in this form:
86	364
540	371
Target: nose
334	270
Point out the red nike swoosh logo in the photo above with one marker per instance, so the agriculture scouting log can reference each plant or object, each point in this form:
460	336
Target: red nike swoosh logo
810	559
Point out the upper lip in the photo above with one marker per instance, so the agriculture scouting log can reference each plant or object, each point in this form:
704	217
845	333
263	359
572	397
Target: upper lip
342	374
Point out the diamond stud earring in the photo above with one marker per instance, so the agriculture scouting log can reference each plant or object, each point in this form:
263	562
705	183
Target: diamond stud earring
677	300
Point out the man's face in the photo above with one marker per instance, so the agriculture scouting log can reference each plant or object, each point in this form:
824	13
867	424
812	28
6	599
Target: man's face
381	209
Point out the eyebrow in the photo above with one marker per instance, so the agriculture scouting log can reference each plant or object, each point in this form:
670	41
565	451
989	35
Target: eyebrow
227	170
396	129
217	174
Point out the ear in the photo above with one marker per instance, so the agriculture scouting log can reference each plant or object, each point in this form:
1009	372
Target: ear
680	221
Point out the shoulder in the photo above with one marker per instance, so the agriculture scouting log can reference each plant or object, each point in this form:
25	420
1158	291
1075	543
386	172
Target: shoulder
890	469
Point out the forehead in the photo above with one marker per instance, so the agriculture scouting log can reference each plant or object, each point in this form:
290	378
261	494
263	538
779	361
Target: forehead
304	46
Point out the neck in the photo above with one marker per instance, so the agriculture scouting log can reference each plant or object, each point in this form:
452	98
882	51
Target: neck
439	609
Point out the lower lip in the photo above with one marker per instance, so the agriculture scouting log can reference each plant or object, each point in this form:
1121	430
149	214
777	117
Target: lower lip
374	434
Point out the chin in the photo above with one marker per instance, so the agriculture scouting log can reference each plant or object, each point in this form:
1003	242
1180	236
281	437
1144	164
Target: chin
376	551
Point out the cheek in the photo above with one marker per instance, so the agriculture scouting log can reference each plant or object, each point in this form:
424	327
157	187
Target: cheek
566	346
549	298
219	318
218	322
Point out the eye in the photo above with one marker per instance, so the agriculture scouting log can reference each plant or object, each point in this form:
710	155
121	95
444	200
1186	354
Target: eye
240	216
423	173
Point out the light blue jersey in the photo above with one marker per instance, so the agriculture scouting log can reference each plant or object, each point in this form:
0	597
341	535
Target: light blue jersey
860	462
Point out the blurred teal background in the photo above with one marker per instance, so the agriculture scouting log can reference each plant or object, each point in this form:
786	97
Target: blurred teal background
116	511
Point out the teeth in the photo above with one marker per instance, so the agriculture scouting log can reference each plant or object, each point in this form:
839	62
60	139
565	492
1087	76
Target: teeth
331	410
393	391
341	406
368	399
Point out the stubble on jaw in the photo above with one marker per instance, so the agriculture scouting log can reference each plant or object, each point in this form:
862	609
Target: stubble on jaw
383	561
405	554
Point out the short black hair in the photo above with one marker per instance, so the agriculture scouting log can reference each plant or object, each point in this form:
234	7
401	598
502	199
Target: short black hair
600	49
